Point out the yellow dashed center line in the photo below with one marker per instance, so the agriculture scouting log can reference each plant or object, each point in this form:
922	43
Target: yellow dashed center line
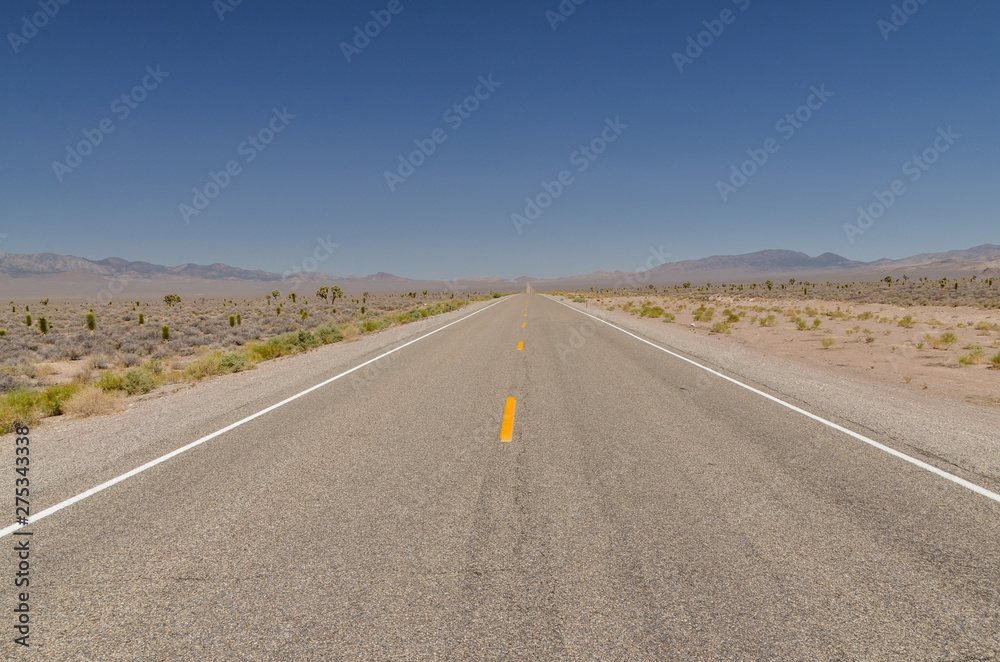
507	428
520	345
524	324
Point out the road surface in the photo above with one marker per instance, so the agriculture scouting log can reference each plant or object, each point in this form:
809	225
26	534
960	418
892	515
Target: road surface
642	509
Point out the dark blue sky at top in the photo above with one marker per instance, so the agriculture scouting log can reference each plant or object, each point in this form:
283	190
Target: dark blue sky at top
655	187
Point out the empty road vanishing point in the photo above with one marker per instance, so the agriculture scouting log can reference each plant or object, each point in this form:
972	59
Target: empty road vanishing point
519	481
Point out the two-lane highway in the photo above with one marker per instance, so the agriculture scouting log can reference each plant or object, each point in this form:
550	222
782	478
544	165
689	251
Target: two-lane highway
641	509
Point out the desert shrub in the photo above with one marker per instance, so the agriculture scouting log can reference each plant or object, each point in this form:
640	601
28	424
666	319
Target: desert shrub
828	342
204	366
109	381
155	365
907	322
131	360
328	334
579	300
770	320
704	314
720	327
233	362
165	332
669	317
995	360
138	381
651	311
800	324
975	357
17	408
374	325
92	401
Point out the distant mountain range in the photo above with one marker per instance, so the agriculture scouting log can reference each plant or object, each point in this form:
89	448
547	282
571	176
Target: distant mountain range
27	275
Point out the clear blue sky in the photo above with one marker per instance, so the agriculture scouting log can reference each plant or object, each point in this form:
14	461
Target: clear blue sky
656	185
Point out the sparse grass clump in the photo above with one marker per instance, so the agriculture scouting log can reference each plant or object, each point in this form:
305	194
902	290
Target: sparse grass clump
975	357
770	320
827	342
92	401
704	314
944	341
579	300
721	327
651	311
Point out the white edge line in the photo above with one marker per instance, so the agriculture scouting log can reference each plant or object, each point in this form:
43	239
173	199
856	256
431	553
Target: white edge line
978	489
160	460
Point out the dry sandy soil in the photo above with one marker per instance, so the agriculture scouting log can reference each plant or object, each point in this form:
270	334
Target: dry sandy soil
868	340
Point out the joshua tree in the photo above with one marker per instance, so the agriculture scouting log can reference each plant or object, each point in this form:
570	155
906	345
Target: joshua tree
275	294
239	319
142	319
335	293
232	321
165	332
27	320
91	320
323	292
171	299
292	297
43	324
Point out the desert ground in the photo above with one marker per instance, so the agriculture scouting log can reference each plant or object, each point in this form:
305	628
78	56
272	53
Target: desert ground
921	335
59	357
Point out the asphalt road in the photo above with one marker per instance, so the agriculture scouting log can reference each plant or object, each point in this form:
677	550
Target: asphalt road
644	509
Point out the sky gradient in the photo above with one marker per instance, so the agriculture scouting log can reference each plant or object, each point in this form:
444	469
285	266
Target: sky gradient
224	74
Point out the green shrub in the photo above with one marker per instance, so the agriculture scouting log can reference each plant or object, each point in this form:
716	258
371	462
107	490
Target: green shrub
138	381
110	381
329	335
669	317
142	319
27	320
579	300
91	321
704	314
995	360
720	327
651	311
770	320
165	332
828	342
232	321
907	322
154	365
233	362
43	324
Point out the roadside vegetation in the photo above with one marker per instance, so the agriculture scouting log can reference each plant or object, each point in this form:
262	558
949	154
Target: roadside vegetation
910	327
117	352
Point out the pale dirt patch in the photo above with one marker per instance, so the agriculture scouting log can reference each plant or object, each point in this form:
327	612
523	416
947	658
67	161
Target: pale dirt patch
876	349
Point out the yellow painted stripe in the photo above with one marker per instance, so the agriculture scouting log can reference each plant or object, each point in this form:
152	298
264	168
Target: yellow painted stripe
524	324
520	345
507	429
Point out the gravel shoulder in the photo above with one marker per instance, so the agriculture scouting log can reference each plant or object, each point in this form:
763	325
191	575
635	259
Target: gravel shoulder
959	437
